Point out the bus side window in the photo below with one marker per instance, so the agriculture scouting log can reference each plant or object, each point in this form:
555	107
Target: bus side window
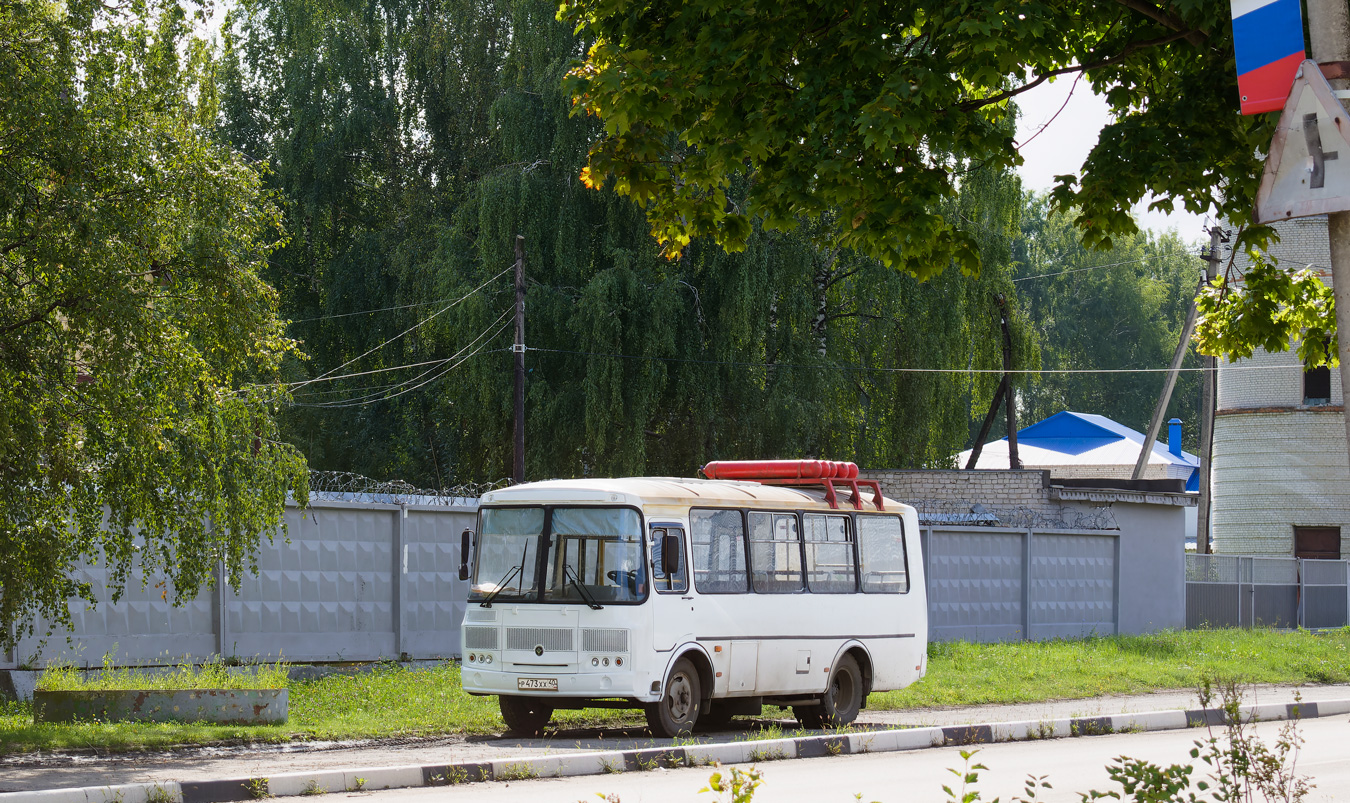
881	552
718	549
678	582
775	553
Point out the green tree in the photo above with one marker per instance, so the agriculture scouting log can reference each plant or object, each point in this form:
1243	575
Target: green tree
1110	310
874	113
637	365
134	326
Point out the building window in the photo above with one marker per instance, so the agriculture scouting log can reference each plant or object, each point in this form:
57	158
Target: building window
1317	543
1316	386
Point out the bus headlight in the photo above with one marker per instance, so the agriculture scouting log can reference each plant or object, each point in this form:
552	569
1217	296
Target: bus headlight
595	661
472	658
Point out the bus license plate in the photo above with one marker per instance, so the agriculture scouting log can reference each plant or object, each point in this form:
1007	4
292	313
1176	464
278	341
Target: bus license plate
537	684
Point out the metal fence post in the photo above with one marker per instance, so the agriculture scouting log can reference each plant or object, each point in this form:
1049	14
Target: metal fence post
1302	593
220	603
1115	586
1238	585
400	569
1026	587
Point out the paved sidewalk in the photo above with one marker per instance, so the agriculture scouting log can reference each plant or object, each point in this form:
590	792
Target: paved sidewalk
34	772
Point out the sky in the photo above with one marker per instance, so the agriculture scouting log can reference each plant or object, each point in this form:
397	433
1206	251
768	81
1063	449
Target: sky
1065	141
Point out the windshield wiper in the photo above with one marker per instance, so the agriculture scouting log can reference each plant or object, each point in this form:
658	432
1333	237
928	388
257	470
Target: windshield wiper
501	586
581	589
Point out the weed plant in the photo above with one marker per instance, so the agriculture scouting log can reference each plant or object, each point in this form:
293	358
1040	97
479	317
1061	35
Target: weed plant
211	675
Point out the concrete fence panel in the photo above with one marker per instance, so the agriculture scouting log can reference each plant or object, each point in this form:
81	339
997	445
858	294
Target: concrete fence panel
351	581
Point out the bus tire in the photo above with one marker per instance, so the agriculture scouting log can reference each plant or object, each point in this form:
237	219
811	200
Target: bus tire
842	700
525	716
677	710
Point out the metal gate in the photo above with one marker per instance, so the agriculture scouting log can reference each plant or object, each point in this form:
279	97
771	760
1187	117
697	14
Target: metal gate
1251	591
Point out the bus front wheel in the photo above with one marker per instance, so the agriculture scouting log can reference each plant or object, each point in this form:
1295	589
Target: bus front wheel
840	703
677	711
526	716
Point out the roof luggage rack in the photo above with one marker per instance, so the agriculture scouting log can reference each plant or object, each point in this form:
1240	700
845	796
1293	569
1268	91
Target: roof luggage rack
822	473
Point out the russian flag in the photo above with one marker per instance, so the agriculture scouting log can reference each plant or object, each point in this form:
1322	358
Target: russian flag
1268	43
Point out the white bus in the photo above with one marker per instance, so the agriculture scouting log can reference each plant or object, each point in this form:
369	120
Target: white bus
694	599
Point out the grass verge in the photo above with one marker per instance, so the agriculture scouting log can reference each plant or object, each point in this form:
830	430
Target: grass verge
213	675
392	701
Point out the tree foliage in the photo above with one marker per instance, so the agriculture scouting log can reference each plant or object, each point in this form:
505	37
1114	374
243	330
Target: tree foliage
877	112
1102	312
1273	309
413	141
134	324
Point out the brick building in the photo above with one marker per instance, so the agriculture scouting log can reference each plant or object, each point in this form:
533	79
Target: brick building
1280	477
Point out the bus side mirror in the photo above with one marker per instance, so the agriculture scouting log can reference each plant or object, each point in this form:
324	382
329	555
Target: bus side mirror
464	548
670	554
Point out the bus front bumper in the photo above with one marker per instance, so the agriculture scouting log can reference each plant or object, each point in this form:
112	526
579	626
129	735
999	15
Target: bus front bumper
597	685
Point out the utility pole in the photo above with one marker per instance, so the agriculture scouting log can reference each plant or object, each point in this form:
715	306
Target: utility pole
1183	345
1329	29
1208	376
518	468
1010	397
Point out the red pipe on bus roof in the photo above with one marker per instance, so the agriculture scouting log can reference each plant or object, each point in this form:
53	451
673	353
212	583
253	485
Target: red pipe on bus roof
780	470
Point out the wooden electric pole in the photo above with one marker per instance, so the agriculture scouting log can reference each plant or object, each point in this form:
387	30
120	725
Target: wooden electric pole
1183	345
1009	398
1329	30
518	468
1208	377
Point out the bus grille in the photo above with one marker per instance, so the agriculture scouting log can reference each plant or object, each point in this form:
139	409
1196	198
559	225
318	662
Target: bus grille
480	638
552	638
480	615
604	640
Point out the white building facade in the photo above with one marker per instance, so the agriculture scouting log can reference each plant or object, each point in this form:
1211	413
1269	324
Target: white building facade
1280	480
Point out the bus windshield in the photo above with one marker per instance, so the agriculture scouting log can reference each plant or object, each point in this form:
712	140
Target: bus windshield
594	556
599	549
508	544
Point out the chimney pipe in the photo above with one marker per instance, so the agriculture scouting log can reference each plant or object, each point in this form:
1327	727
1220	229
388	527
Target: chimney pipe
1174	436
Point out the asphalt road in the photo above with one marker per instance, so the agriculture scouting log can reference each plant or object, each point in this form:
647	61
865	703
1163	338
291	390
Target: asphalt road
1073	766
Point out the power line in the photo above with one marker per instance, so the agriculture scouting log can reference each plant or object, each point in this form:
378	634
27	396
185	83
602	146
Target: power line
415	326
392	368
384	394
1107	265
381	309
865	369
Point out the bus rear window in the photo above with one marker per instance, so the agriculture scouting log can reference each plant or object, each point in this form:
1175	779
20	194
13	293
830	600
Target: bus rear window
881	550
718	548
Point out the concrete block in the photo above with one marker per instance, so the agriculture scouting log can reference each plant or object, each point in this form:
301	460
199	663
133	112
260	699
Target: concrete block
1331	708
299	783
17	684
589	763
133	792
1150	721
46	796
917	738
770	750
391	777
1263	712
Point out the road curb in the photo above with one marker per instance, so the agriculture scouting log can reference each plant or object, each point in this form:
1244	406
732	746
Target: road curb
616	761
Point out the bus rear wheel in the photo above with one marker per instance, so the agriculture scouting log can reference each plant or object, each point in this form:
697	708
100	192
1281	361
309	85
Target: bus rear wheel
525	716
840	703
677	710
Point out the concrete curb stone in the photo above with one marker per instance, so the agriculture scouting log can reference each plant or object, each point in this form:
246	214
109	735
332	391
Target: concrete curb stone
597	763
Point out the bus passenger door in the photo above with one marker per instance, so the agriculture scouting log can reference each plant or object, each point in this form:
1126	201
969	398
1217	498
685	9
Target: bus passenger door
672	602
